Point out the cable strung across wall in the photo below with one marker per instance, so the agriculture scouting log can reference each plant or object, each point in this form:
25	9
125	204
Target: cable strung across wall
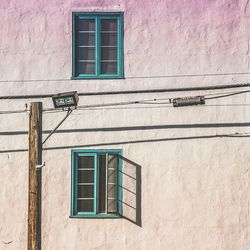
141	91
134	77
164	101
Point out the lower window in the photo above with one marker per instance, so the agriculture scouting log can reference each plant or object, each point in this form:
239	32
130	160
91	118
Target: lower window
96	183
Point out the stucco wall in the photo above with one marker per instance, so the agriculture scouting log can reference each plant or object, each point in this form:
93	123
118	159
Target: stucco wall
194	173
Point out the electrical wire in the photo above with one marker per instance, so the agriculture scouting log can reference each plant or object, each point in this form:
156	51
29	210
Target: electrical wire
135	77
150	101
141	91
168	100
12	112
226	95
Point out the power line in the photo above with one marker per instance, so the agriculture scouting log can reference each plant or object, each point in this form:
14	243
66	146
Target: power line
50	110
141	91
133	77
167	100
226	95
12	112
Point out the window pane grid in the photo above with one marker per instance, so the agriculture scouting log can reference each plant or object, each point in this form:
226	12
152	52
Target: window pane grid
85	189
109	37
87	200
112	183
98	32
85	49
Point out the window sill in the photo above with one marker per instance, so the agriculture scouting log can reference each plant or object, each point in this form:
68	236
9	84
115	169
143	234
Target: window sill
97	77
96	216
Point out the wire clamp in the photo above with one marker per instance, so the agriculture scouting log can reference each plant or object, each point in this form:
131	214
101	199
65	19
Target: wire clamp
40	166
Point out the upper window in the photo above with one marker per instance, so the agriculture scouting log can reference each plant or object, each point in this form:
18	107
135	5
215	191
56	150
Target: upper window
96	183
97	45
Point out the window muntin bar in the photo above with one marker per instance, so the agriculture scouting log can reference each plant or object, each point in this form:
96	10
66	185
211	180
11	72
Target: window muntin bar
85	189
85	184
85	198
85	169
109	44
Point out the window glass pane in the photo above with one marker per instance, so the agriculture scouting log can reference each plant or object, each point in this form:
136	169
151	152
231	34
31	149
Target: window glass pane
112	191
112	182
85	191
109	39
86	39
86	53
102	183
112	205
108	67
86	24
108	53
85	176
108	25
112	176
86	68
112	161
85	162
85	205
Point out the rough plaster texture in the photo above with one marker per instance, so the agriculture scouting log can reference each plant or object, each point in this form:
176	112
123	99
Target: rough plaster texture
194	177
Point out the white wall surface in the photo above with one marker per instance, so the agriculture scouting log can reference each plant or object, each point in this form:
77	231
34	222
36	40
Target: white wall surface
194	160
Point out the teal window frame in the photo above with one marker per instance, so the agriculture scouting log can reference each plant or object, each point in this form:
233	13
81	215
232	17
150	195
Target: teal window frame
74	165
98	16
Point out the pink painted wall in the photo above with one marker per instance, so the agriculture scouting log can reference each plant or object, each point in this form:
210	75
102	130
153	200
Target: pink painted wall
195	192
181	35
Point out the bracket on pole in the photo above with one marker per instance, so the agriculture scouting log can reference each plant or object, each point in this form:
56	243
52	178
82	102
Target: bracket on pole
40	166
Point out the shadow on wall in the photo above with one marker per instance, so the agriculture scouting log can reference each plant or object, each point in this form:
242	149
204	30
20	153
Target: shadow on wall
234	135
131	191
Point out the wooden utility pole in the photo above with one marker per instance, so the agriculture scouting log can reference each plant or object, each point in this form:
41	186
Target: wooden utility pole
35	176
